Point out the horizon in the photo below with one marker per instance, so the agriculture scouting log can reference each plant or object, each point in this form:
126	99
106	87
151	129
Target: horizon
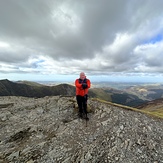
93	81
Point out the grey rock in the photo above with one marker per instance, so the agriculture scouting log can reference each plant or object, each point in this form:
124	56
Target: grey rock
48	130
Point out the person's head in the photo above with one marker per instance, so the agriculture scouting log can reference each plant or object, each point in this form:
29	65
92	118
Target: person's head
82	75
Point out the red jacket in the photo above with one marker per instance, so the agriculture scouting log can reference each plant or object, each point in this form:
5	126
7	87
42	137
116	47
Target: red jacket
79	90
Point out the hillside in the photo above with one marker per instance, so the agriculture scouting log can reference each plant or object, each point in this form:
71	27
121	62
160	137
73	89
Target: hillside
30	83
147	92
154	107
33	89
48	130
116	96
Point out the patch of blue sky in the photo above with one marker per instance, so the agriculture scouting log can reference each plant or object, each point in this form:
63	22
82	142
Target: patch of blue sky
155	39
36	64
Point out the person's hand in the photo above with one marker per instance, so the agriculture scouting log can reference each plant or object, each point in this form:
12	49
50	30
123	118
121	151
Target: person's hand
80	81
84	86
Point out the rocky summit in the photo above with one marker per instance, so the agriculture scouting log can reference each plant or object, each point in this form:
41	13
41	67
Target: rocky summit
48	130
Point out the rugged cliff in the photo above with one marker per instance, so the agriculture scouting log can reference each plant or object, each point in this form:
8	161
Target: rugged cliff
47	130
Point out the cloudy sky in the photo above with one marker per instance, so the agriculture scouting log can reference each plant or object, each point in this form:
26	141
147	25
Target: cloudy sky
57	39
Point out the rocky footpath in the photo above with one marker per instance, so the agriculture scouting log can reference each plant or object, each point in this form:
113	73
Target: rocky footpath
48	130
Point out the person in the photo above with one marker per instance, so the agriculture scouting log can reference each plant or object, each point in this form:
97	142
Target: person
82	85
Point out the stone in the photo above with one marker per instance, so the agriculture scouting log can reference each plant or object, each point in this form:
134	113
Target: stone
13	156
30	161
49	130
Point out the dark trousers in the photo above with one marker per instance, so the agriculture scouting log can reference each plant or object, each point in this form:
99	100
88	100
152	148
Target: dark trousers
82	103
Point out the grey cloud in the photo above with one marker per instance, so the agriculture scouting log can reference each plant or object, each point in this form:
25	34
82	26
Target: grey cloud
22	18
73	30
154	61
15	54
32	21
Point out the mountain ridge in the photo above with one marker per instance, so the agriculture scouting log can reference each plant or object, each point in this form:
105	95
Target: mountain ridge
33	89
30	89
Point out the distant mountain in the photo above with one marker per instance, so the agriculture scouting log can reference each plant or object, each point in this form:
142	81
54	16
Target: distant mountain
147	92
116	96
31	89
30	83
155	107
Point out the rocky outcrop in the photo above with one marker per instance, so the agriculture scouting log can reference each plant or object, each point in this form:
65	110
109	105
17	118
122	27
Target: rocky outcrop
48	130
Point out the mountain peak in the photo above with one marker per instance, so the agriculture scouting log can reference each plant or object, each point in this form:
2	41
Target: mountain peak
49	130
5	80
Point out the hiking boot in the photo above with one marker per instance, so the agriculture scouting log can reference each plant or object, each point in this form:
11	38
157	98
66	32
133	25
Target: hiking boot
80	115
87	119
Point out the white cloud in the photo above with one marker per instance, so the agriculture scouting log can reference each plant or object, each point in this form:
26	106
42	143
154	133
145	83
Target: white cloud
150	56
4	45
66	37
